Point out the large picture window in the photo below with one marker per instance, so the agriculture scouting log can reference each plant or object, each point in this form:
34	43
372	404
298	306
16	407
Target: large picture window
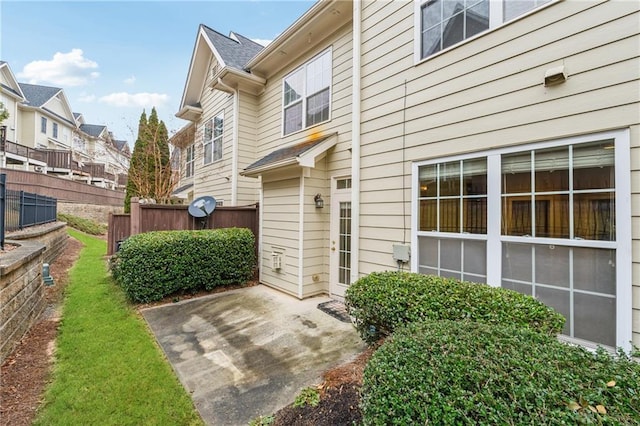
550	217
444	23
212	139
307	94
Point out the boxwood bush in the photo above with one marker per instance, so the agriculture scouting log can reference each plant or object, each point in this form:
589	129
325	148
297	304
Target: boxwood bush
383	301
465	372
153	265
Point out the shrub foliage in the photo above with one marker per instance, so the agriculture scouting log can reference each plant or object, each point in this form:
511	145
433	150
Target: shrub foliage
153	265
383	301
465	372
87	226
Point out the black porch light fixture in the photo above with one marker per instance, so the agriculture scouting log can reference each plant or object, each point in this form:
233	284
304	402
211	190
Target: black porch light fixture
319	201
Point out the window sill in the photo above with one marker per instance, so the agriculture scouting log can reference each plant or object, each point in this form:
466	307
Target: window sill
304	129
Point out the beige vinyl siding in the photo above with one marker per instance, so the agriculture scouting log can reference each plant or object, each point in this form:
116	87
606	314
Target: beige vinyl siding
486	93
214	179
281	212
280	231
247	116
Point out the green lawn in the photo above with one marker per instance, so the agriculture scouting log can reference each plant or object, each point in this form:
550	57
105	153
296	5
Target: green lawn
108	369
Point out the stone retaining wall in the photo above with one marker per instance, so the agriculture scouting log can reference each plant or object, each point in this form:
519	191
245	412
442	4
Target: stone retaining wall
21	292
52	235
99	213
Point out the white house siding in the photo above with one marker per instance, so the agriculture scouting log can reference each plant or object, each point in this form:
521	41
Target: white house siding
12	108
247	124
214	179
486	93
310	277
27	122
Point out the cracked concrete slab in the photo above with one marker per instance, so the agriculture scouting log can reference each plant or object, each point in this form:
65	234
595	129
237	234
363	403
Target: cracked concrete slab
249	352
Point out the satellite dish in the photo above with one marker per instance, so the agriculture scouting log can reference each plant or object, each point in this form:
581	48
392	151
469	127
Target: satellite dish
202	207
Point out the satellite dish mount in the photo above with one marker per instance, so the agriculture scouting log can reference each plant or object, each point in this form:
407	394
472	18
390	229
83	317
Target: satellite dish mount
201	208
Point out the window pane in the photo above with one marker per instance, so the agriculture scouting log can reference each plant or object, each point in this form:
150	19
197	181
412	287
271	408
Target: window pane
475	257
477	19
453	31
516	173
431	14
552	169
449	178
475	215
428	179
594	216
519	287
595	318
294	87
593	166
552	216
218	123
558	300
318	74
552	265
431	41
318	108
450	254
293	118
428	215
450	215
208	131
514	8
594	270
516	262
428	252
516	216
475	177
208	149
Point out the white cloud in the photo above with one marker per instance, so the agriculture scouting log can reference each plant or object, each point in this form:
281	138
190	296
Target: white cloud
130	80
87	98
261	41
123	99
65	69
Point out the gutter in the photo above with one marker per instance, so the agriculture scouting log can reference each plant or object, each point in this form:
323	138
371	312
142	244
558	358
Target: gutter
234	140
355	143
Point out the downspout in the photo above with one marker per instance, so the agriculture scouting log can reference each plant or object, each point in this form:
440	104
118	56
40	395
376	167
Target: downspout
234	141
355	145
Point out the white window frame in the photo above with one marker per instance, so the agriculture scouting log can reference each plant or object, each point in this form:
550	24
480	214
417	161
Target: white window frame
496	19
494	239
43	125
190	160
213	140
305	96
54	131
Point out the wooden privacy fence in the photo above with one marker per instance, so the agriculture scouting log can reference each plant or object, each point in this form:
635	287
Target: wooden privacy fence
162	217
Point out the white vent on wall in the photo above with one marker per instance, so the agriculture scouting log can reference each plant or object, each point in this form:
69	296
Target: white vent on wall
276	260
38	169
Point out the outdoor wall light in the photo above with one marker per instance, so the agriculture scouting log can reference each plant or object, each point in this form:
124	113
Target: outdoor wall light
319	201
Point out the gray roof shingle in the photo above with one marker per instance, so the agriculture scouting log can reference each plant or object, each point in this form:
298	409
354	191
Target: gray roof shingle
285	153
236	50
38	95
92	129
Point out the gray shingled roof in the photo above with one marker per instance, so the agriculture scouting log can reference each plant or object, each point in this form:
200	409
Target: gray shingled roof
38	95
285	153
120	145
234	53
92	129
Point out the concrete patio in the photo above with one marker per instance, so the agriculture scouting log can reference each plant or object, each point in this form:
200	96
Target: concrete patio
249	352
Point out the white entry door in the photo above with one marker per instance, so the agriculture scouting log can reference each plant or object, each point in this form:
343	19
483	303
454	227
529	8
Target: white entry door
340	242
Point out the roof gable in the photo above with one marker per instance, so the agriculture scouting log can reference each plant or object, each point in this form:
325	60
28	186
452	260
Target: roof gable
36	95
95	130
9	83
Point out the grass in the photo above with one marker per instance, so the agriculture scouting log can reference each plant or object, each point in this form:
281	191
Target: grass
108	368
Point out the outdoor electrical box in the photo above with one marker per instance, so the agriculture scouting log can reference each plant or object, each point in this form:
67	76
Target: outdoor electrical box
401	253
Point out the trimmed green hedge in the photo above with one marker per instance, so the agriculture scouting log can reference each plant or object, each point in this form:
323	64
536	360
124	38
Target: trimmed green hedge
383	301
153	265
465	372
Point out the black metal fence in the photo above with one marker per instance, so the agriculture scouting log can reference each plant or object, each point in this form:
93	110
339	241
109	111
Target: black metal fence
23	209
3	190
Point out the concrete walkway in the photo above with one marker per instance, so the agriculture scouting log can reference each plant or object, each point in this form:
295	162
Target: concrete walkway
249	352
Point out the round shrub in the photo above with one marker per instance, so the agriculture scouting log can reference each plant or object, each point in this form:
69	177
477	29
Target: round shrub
383	301
153	265
465	372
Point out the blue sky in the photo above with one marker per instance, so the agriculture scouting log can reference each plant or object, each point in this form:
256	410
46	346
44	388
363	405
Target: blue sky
115	58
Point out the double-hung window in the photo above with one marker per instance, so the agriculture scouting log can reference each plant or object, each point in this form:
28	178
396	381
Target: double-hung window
444	23
189	160
212	140
551	220
43	125
307	94
55	130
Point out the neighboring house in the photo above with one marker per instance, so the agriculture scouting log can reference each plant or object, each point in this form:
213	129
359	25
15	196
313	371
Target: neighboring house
494	142
43	135
217	91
